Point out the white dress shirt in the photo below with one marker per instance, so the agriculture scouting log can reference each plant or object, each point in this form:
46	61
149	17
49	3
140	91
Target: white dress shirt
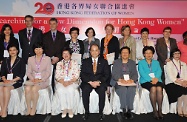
139	48
30	31
95	59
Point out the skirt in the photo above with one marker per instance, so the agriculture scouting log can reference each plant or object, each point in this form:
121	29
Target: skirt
149	85
175	91
17	84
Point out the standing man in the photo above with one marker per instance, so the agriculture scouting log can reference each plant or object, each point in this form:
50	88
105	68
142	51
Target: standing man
54	42
94	74
164	46
28	37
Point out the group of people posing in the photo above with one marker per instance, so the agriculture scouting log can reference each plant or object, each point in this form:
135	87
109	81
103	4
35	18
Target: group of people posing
41	51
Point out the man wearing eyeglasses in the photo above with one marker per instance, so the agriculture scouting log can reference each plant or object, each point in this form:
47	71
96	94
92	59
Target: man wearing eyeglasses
28	37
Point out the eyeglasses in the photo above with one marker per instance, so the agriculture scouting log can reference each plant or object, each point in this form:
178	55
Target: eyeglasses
167	31
176	53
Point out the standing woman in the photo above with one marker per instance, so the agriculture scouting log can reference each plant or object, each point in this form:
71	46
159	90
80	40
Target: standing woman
74	43
12	72
164	46
128	40
142	43
109	43
90	33
6	38
182	45
150	79
38	72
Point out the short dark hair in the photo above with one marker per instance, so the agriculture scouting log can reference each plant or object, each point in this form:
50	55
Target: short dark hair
13	45
167	28
74	29
3	29
95	45
110	25
151	48
124	27
184	34
38	45
173	51
125	47
67	49
53	19
88	29
29	16
144	30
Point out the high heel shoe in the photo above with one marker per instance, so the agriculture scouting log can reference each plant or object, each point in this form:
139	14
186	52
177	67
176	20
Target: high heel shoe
155	115
160	115
180	112
64	113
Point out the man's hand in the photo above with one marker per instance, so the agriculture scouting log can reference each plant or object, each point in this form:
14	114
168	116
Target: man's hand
54	60
167	60
92	84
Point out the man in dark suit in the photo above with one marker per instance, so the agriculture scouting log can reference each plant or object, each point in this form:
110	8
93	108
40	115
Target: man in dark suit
28	37
54	42
164	46
94	75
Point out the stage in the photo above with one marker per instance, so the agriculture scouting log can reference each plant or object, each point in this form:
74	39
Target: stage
94	118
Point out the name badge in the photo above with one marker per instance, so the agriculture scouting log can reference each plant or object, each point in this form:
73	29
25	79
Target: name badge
152	75
126	77
9	76
6	54
66	78
38	76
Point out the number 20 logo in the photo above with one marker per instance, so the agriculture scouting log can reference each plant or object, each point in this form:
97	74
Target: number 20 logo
47	8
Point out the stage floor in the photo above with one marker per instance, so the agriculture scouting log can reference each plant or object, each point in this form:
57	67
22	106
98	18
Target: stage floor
94	118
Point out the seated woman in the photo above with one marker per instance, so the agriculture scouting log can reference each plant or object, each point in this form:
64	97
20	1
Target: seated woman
176	82
67	74
12	73
150	79
38	72
122	68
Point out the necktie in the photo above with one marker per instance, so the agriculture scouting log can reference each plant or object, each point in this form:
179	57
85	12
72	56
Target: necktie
94	66
29	35
54	36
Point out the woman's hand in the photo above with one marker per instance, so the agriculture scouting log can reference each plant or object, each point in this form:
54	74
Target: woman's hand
154	80
7	81
36	80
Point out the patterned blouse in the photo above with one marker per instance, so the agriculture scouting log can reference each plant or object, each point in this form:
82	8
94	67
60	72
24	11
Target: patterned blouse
75	47
67	68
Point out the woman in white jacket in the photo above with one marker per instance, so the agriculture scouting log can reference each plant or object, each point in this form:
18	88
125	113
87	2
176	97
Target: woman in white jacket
176	82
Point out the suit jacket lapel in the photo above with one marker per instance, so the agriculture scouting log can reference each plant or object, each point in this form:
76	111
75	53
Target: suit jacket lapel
15	62
57	36
25	34
33	36
91	64
50	37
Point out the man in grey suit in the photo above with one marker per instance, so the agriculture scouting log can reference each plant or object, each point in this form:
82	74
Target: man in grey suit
28	37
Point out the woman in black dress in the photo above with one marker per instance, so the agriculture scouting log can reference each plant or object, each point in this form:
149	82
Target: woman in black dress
12	73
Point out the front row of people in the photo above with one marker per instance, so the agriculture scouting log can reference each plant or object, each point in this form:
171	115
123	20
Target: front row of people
94	74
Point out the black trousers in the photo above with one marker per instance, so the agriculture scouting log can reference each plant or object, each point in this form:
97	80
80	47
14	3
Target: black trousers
86	90
53	78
